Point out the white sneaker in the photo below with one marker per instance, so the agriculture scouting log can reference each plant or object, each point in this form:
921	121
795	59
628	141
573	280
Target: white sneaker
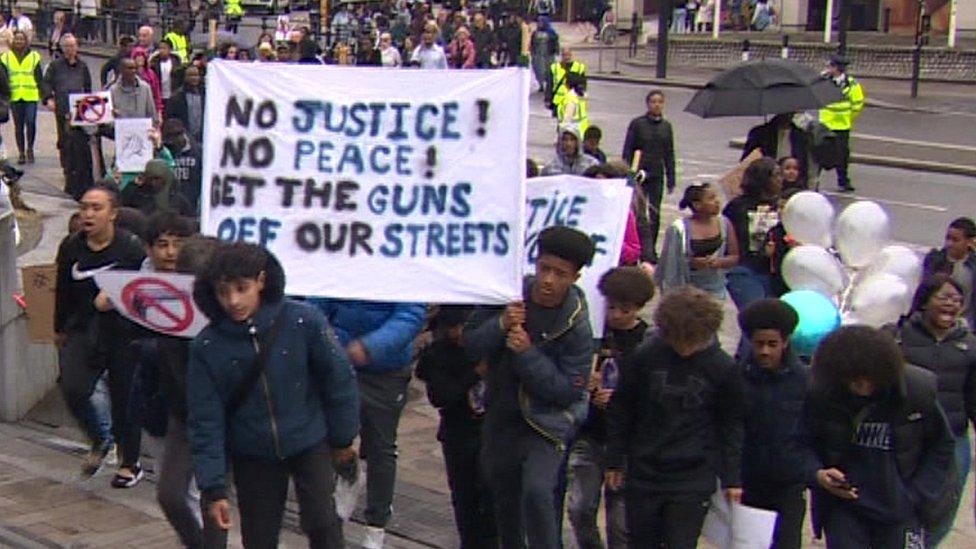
374	538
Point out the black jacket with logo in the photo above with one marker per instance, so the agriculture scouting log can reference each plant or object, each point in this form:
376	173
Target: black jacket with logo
906	421
675	422
74	308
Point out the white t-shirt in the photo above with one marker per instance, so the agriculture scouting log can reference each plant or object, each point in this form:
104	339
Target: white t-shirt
166	77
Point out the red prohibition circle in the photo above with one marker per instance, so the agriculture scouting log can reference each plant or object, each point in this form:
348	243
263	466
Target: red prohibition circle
141	295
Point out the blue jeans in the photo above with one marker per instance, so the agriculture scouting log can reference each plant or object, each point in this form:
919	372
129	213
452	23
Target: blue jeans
964	461
587	466
25	124
100	411
747	286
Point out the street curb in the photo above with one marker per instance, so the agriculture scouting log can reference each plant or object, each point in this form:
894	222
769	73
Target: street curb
892	162
663	82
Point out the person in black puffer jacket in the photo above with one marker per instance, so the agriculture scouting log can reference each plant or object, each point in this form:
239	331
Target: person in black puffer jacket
878	448
935	337
776	383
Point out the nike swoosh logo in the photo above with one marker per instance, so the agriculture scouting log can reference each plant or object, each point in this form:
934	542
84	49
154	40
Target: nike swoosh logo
78	274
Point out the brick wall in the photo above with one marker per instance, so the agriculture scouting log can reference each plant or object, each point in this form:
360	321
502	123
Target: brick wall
879	61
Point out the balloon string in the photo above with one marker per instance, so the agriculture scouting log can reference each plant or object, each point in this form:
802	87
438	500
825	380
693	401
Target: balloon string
846	295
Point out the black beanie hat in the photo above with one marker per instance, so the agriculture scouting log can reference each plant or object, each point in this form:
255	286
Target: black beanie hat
566	243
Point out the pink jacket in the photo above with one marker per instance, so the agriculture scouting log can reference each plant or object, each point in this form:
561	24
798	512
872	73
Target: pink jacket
631	253
151	78
467	56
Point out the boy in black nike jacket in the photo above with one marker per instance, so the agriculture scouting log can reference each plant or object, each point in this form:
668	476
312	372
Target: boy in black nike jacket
91	336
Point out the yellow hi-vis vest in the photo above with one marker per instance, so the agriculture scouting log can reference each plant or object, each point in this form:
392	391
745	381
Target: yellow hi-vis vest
559	77
180	46
580	117
840	116
232	8
23	86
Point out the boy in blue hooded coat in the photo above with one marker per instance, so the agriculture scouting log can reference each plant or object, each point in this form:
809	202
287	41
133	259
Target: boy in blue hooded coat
302	407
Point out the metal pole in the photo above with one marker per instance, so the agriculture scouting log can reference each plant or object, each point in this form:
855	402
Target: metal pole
953	24
745	50
843	21
784	52
916	68
828	21
917	52
717	19
662	39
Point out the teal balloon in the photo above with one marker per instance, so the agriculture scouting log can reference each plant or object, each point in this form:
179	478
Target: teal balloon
818	317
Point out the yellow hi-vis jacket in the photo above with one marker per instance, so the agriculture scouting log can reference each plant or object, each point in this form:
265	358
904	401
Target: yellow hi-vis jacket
181	46
23	85
232	8
580	117
840	116
559	77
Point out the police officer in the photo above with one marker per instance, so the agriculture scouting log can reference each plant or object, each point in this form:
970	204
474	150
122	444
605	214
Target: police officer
23	66
839	117
558	83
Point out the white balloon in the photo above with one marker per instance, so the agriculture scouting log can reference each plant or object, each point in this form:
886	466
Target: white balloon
879	299
861	231
808	217
899	261
810	267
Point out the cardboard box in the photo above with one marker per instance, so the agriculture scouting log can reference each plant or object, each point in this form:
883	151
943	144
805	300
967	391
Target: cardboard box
39	285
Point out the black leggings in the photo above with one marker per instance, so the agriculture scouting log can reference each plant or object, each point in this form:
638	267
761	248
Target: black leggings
25	124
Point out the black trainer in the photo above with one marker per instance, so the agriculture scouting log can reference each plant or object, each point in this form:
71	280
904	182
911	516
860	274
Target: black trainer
128	481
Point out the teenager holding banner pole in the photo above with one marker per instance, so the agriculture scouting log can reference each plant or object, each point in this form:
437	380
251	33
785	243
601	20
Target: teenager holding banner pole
539	352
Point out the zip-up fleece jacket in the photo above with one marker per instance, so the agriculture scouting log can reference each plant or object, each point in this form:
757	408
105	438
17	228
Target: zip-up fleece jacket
551	375
952	360
675	423
772	449
387	330
307	392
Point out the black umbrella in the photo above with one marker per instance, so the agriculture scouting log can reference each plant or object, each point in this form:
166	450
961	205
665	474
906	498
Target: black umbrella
764	87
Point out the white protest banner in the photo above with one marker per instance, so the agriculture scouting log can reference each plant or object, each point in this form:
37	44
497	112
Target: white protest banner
161	302
371	184
598	207
90	109
133	146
